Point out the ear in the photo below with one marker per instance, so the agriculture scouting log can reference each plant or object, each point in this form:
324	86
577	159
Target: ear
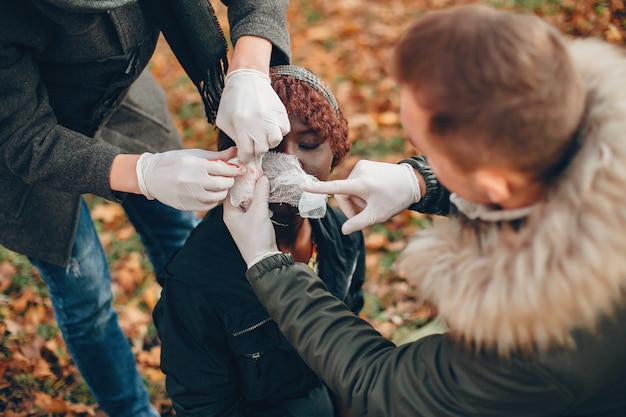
496	184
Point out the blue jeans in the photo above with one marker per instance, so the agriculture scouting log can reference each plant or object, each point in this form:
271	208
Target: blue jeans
81	297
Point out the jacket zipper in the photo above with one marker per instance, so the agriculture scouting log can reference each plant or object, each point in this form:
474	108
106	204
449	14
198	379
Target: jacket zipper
255	358
254	327
350	277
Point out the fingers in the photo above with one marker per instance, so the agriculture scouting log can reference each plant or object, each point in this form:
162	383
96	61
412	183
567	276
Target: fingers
245	149
348	187
345	205
274	137
261	193
222	168
227	154
215	183
358	222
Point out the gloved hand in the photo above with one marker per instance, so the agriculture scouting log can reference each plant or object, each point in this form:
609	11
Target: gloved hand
187	179
252	229
379	190
251	113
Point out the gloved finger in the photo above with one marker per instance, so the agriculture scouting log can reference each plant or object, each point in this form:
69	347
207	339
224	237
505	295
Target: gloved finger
347	187
198	205
199	153
245	147
261	195
222	168
227	154
358	222
274	136
345	204
209	198
260	148
215	183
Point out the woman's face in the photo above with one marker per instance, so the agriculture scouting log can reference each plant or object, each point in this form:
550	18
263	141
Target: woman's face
315	156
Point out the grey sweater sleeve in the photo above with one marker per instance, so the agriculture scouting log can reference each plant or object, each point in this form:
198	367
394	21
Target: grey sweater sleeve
262	18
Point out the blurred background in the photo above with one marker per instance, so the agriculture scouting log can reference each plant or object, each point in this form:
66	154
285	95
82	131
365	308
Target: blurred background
348	43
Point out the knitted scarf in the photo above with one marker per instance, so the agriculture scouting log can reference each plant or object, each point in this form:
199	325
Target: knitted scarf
196	38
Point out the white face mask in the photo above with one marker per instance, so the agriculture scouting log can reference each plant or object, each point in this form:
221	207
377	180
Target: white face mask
286	176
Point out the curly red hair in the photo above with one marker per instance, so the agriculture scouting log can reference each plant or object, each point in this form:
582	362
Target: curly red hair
306	103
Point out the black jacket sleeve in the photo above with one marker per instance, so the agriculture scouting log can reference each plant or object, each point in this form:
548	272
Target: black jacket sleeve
435	198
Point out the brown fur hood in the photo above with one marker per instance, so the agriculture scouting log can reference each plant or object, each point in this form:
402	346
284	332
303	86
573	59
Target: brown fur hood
565	267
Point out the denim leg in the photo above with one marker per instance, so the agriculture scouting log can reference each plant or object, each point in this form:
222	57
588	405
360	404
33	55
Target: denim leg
162	229
81	298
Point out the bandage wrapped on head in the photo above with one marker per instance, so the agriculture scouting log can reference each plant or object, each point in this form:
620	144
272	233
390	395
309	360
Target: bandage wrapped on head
283	170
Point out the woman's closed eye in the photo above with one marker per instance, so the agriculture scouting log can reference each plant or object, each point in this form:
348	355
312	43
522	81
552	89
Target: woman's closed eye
308	145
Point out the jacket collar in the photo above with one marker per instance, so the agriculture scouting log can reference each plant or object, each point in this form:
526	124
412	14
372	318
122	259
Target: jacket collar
502	286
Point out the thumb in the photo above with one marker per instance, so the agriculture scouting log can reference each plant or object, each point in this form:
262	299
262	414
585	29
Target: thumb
226	154
356	223
261	194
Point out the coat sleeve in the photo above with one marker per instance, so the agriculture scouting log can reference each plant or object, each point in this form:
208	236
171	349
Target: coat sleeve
264	19
195	357
374	377
33	146
435	198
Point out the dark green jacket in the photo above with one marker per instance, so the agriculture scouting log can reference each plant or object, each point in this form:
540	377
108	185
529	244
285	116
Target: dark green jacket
436	376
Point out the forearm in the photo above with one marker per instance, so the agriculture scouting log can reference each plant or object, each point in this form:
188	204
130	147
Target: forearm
264	19
251	52
123	175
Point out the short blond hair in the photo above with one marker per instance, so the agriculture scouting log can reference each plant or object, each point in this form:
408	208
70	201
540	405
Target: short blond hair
500	88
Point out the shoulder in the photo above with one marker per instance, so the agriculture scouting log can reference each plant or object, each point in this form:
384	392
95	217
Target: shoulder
209	258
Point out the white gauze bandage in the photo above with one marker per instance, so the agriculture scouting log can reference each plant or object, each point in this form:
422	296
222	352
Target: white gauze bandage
286	176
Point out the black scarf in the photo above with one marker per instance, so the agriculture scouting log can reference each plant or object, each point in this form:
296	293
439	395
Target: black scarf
196	38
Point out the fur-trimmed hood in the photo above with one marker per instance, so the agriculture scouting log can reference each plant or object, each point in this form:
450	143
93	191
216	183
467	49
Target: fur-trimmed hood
509	289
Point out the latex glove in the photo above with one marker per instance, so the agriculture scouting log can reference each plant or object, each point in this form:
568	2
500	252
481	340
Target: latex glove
372	193
251	113
252	229
187	179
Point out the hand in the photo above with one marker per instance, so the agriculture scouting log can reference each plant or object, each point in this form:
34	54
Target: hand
187	179
251	113
252	230
378	190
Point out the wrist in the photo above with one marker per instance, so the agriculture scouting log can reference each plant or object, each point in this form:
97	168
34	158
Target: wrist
259	258
415	186
251	52
123	175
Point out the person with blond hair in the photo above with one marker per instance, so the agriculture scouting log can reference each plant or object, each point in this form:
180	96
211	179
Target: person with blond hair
522	135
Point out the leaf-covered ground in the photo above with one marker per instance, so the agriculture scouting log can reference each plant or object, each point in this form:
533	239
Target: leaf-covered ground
348	43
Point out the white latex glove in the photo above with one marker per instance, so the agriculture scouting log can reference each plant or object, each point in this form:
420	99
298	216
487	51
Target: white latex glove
378	190
252	229
251	113
187	179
